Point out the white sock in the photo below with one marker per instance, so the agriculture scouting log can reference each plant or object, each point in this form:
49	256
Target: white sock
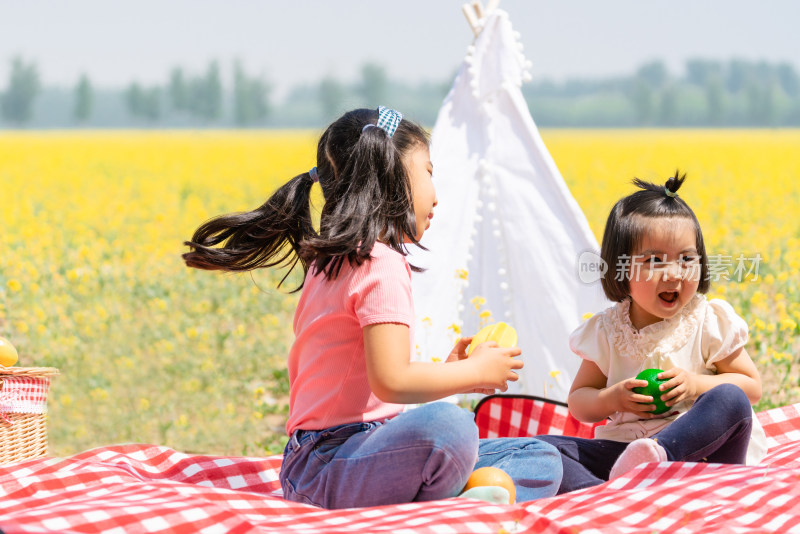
638	452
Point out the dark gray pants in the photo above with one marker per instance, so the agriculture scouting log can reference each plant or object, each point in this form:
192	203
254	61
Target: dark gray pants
715	429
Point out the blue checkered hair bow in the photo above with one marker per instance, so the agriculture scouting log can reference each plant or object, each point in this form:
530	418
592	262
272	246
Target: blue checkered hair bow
388	120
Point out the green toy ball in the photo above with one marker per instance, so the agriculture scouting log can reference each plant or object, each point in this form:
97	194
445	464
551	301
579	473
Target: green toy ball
652	390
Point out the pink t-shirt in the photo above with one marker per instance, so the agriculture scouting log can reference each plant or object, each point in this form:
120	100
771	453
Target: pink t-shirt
327	366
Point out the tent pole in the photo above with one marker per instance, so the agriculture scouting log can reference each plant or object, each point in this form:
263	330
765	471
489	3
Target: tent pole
478	7
469	12
475	13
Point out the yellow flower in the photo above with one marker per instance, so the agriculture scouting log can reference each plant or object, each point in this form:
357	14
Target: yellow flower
555	373
82	243
456	329
759	298
587	315
125	362
427	321
98	394
478	302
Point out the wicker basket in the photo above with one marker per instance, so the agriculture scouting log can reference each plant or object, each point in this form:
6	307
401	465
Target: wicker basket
23	412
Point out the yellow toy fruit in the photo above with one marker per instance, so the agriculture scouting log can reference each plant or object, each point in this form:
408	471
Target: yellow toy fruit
492	476
502	333
8	354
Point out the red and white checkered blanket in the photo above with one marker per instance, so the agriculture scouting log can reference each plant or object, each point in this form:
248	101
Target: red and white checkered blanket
24	394
146	488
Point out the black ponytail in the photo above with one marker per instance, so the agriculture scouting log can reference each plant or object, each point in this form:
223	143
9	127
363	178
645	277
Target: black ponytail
257	238
674	183
669	190
367	199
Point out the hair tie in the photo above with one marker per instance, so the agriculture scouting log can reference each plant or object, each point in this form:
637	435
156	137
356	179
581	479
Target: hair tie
388	120
671	194
314	175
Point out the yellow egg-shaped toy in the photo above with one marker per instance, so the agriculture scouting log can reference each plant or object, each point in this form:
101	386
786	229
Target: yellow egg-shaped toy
501	332
8	354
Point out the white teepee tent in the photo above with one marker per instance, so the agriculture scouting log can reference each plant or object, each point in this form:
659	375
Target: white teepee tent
507	234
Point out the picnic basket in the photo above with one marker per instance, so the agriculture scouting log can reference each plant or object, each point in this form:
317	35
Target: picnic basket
23	412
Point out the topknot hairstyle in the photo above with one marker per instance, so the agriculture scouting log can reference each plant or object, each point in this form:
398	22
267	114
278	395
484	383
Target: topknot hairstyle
629	221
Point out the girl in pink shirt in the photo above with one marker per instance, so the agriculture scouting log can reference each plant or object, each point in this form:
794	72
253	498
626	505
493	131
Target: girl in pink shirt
350	367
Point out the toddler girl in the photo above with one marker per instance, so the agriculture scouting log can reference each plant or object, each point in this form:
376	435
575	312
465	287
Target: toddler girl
658	271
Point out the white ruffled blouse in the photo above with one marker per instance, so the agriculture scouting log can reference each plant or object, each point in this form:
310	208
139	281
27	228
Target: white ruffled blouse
702	333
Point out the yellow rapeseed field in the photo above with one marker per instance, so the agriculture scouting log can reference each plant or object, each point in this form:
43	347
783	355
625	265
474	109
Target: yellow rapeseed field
91	279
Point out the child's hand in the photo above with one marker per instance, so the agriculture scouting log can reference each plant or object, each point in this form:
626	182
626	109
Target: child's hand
496	365
459	351
632	402
682	383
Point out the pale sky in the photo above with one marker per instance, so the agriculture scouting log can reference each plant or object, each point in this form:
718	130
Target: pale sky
292	41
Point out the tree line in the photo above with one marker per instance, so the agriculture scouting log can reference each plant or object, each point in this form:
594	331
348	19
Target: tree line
714	93
711	93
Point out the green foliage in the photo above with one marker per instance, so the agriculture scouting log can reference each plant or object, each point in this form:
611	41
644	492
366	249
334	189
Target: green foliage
83	99
205	94
178	91
16	102
654	74
144	103
643	102
250	96
736	93
374	84
331	97
715	99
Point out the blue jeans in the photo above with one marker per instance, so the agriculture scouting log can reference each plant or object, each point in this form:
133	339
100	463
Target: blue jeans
715	429
421	455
